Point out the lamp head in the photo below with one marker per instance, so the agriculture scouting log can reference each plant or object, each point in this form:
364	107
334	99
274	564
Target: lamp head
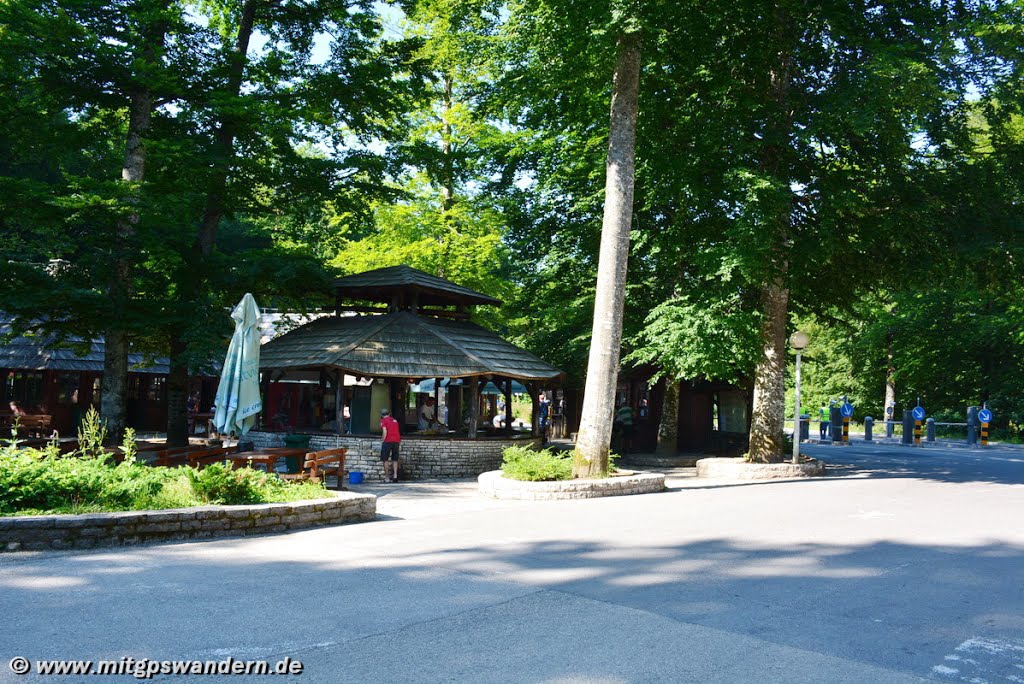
799	340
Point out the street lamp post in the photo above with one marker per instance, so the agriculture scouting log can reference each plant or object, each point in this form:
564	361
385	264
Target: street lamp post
798	341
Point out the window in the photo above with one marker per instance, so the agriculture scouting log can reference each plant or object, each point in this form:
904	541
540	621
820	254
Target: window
25	387
134	392
156	389
732	411
67	388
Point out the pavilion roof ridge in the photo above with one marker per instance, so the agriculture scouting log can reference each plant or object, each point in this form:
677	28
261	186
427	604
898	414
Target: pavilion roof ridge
378	284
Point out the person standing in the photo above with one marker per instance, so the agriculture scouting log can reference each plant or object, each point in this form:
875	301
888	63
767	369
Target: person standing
542	414
389	445
823	422
428	416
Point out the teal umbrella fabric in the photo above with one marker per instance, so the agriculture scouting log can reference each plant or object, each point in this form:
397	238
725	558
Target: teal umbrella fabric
238	395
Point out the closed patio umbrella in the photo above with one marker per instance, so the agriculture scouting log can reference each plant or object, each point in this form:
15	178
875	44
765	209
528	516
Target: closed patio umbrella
238	395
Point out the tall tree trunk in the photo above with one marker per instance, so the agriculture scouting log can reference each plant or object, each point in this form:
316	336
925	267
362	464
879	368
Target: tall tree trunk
133	171
768	417
593	441
890	377
194	275
448	163
766	445
177	398
668	422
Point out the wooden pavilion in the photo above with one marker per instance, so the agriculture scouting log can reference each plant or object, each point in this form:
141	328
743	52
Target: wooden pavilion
394	327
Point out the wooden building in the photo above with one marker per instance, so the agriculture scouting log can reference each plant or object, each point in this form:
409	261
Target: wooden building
63	382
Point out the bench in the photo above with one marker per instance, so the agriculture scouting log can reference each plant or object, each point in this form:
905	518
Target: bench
170	458
204	457
32	425
319	464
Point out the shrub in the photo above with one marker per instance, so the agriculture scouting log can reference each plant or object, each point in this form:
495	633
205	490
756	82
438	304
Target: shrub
523	463
42	481
218	483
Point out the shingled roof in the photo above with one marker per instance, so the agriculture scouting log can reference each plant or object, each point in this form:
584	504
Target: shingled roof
401	344
37	353
381	284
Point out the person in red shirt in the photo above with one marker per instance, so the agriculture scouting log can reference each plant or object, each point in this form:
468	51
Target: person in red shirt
389	445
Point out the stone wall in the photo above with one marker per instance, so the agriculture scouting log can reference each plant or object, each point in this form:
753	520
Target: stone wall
495	486
738	469
420	457
42	532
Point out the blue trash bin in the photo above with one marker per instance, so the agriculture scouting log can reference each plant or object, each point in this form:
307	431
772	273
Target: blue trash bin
355	477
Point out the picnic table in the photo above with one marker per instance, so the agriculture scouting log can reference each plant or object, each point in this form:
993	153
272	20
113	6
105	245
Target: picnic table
268	457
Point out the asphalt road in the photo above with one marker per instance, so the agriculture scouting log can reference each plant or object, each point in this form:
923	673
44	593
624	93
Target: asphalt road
900	564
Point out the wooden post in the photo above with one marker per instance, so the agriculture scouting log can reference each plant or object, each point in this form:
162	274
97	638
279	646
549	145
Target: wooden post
339	416
474	406
437	402
508	406
535	410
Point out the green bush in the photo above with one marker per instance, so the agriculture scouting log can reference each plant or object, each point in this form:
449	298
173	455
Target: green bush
523	463
36	481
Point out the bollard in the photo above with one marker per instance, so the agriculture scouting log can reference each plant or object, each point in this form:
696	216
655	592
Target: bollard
890	425
917	433
908	428
868	424
972	424
930	431
846	430
805	427
836	419
984	434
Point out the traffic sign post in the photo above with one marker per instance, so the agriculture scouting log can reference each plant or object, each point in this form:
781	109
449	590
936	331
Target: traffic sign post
846	410
918	414
985	416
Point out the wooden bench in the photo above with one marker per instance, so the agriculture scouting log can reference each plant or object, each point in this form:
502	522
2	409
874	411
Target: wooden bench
204	457
32	425
175	456
319	464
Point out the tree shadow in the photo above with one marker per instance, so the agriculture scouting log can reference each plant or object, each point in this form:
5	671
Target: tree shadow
1004	466
900	606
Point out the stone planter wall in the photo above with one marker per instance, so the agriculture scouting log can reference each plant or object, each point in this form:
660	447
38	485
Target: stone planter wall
420	457
738	469
495	486
42	532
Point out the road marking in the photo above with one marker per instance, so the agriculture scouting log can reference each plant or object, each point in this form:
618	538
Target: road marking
981	660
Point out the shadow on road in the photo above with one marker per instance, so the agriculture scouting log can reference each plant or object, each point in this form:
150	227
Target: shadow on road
898	606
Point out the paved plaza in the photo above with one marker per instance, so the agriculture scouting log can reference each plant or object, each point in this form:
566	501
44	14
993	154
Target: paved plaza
901	564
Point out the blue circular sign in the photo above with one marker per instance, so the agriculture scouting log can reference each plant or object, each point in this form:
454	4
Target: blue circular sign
918	413
846	409
985	416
